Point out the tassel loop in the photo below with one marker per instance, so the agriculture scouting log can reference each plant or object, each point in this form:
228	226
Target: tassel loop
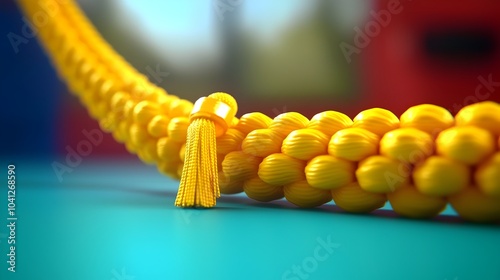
210	118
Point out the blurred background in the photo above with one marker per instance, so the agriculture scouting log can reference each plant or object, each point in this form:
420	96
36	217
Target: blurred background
273	56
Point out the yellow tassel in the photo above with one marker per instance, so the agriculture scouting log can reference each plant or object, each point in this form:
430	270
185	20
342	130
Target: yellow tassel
210	118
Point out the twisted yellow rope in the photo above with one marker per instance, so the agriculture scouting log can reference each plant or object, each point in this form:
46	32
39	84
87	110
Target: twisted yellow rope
419	162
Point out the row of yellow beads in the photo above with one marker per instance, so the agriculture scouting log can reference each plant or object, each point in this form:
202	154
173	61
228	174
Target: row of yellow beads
418	162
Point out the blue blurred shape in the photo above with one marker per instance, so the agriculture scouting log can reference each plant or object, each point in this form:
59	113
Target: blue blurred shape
29	91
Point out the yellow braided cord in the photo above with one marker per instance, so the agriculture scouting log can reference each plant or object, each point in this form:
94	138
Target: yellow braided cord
419	162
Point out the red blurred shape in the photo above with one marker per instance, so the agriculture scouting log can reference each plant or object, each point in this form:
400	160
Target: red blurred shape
441	52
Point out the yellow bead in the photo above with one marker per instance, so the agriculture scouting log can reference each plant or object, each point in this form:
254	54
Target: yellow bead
353	144
165	101
140	89
285	123
169	167
376	120
428	118
153	95
144	111
474	206
74	59
128	110
236	168
303	195
485	115
123	128
177	129
441	176
229	186
168	149
230	141
305	144
252	121
328	172
161	96
95	82
78	83
138	134
148	152
409	202
259	190
157	126
380	174
117	103
239	166
107	90
279	169
262	142
487	176
408	145
329	122
466	144
352	198
180	108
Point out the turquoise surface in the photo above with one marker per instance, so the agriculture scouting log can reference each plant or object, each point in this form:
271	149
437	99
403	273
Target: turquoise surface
116	220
